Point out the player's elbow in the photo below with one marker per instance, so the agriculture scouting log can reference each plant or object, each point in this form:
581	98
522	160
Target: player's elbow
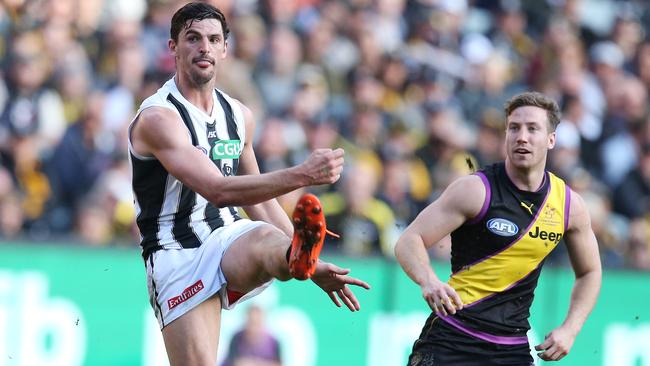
220	199
398	249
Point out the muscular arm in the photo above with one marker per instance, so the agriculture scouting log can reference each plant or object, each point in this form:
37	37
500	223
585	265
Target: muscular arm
270	210
436	221
159	132
585	260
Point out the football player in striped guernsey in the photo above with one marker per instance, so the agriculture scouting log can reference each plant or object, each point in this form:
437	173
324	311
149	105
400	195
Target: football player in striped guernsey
193	164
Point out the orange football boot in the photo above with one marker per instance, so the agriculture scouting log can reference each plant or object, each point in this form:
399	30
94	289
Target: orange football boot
308	236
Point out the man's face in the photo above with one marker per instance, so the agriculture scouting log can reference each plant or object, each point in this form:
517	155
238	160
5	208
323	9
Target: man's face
528	138
199	49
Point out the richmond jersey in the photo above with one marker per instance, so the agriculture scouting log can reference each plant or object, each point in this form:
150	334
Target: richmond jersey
169	214
497	256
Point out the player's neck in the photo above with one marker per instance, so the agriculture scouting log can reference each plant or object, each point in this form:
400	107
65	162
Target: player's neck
200	96
526	179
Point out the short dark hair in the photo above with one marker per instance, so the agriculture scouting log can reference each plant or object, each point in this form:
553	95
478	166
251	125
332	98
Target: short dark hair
535	99
184	17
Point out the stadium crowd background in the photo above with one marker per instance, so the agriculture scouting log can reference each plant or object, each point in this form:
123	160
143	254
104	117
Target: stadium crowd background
412	89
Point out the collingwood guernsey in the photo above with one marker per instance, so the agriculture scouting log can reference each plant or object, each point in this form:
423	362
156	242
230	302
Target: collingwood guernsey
497	256
170	215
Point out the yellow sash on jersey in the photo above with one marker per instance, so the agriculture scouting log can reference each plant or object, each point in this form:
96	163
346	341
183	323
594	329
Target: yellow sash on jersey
501	271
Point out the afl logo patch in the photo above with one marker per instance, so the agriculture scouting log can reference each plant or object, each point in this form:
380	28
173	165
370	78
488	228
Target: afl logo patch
202	149
502	227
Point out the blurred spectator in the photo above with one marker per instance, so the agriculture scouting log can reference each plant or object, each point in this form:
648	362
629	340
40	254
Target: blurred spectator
366	224
276	77
93	225
448	138
489	147
254	345
509	35
272	147
632	196
73	78
33	110
155	33
78	161
564	158
245	47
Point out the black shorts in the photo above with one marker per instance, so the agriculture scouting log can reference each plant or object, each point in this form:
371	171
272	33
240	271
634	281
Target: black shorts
441	344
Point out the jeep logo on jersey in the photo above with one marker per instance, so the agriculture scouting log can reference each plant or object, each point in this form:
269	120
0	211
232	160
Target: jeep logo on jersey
226	149
502	227
545	235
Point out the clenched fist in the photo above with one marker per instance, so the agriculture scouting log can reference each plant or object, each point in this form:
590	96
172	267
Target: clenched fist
323	166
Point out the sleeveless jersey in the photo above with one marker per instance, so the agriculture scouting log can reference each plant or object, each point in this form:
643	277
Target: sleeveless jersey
169	214
497	256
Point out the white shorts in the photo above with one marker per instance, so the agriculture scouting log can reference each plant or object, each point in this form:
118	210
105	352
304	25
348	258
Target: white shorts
180	279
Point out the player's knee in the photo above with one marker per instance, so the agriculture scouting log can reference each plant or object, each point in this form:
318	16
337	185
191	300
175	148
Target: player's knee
270	247
267	236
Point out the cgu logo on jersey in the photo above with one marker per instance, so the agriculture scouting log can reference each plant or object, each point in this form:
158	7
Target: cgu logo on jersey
502	227
545	235
226	149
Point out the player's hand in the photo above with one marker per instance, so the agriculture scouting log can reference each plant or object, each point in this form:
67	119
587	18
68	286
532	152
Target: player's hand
323	166
334	281
441	298
556	345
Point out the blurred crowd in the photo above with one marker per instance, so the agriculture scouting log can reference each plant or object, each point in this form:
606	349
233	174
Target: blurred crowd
412	89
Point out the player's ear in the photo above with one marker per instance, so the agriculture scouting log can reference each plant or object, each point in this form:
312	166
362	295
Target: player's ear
225	49
171	44
551	140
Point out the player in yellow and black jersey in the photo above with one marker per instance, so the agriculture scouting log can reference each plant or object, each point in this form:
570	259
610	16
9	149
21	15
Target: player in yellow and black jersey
503	221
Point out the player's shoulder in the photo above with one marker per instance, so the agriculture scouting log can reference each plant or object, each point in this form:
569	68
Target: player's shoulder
579	216
158	124
158	114
466	194
471	183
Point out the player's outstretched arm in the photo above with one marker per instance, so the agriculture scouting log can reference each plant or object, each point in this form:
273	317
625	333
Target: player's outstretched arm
334	280
159	132
585	260
461	201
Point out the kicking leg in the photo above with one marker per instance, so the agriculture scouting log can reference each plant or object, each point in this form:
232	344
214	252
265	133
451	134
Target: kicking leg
261	254
193	338
255	258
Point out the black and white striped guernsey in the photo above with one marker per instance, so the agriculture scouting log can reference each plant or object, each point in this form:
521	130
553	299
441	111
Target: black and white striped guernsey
169	214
